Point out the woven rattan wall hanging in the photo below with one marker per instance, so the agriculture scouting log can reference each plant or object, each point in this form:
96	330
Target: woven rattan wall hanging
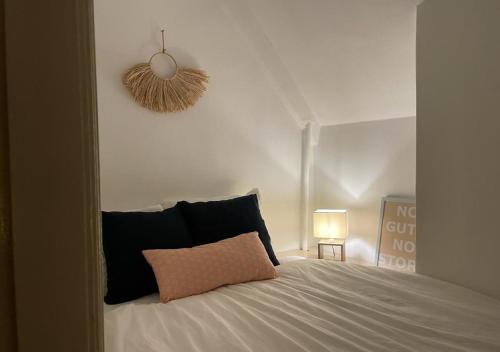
175	93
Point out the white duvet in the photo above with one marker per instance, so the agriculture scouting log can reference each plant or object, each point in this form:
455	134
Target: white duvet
314	305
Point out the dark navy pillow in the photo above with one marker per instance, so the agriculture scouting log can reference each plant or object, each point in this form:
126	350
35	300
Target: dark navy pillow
124	236
213	221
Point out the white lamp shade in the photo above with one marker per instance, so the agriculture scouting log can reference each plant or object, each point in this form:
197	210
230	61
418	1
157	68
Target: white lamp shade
329	223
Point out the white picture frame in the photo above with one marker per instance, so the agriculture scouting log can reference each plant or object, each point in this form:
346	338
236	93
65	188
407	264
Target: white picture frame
384	200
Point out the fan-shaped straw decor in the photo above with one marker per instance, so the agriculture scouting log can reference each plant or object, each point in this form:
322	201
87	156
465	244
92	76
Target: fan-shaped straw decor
176	93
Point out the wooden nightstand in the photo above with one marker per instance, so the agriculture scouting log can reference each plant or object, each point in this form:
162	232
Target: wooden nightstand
333	244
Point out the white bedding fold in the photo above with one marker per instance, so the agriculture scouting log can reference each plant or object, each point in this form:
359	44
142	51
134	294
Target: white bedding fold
314	305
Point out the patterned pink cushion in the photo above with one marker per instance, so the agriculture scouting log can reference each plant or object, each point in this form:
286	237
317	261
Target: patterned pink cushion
189	271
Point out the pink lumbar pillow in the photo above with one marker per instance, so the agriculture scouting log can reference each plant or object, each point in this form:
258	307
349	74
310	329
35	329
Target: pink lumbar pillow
189	271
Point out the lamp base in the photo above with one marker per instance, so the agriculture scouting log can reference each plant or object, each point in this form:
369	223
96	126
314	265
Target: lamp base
332	242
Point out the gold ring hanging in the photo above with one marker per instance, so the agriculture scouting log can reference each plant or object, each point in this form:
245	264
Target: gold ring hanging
171	59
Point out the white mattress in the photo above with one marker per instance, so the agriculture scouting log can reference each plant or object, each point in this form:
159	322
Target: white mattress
314	305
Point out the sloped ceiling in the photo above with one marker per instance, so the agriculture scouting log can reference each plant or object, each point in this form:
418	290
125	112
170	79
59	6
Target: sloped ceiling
337	61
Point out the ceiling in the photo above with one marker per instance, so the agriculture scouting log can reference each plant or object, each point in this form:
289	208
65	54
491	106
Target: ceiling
337	61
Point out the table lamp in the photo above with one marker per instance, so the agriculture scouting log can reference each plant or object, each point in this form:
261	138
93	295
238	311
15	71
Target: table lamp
330	225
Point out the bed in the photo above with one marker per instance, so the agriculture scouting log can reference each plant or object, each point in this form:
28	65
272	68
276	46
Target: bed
314	305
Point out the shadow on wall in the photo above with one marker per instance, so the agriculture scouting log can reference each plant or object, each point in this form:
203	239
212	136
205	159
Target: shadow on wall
358	164
206	155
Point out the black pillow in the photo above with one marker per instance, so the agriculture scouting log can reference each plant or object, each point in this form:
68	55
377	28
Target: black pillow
213	221
124	236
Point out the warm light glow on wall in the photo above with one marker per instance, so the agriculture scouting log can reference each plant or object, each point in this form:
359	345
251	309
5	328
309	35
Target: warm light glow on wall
330	223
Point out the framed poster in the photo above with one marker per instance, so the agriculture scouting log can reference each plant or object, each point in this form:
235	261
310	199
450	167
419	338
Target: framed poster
396	245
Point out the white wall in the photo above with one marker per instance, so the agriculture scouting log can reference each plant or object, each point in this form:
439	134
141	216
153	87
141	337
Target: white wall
458	165
239	135
352	60
358	164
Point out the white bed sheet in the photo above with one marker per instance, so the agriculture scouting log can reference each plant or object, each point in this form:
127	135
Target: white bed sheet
314	305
